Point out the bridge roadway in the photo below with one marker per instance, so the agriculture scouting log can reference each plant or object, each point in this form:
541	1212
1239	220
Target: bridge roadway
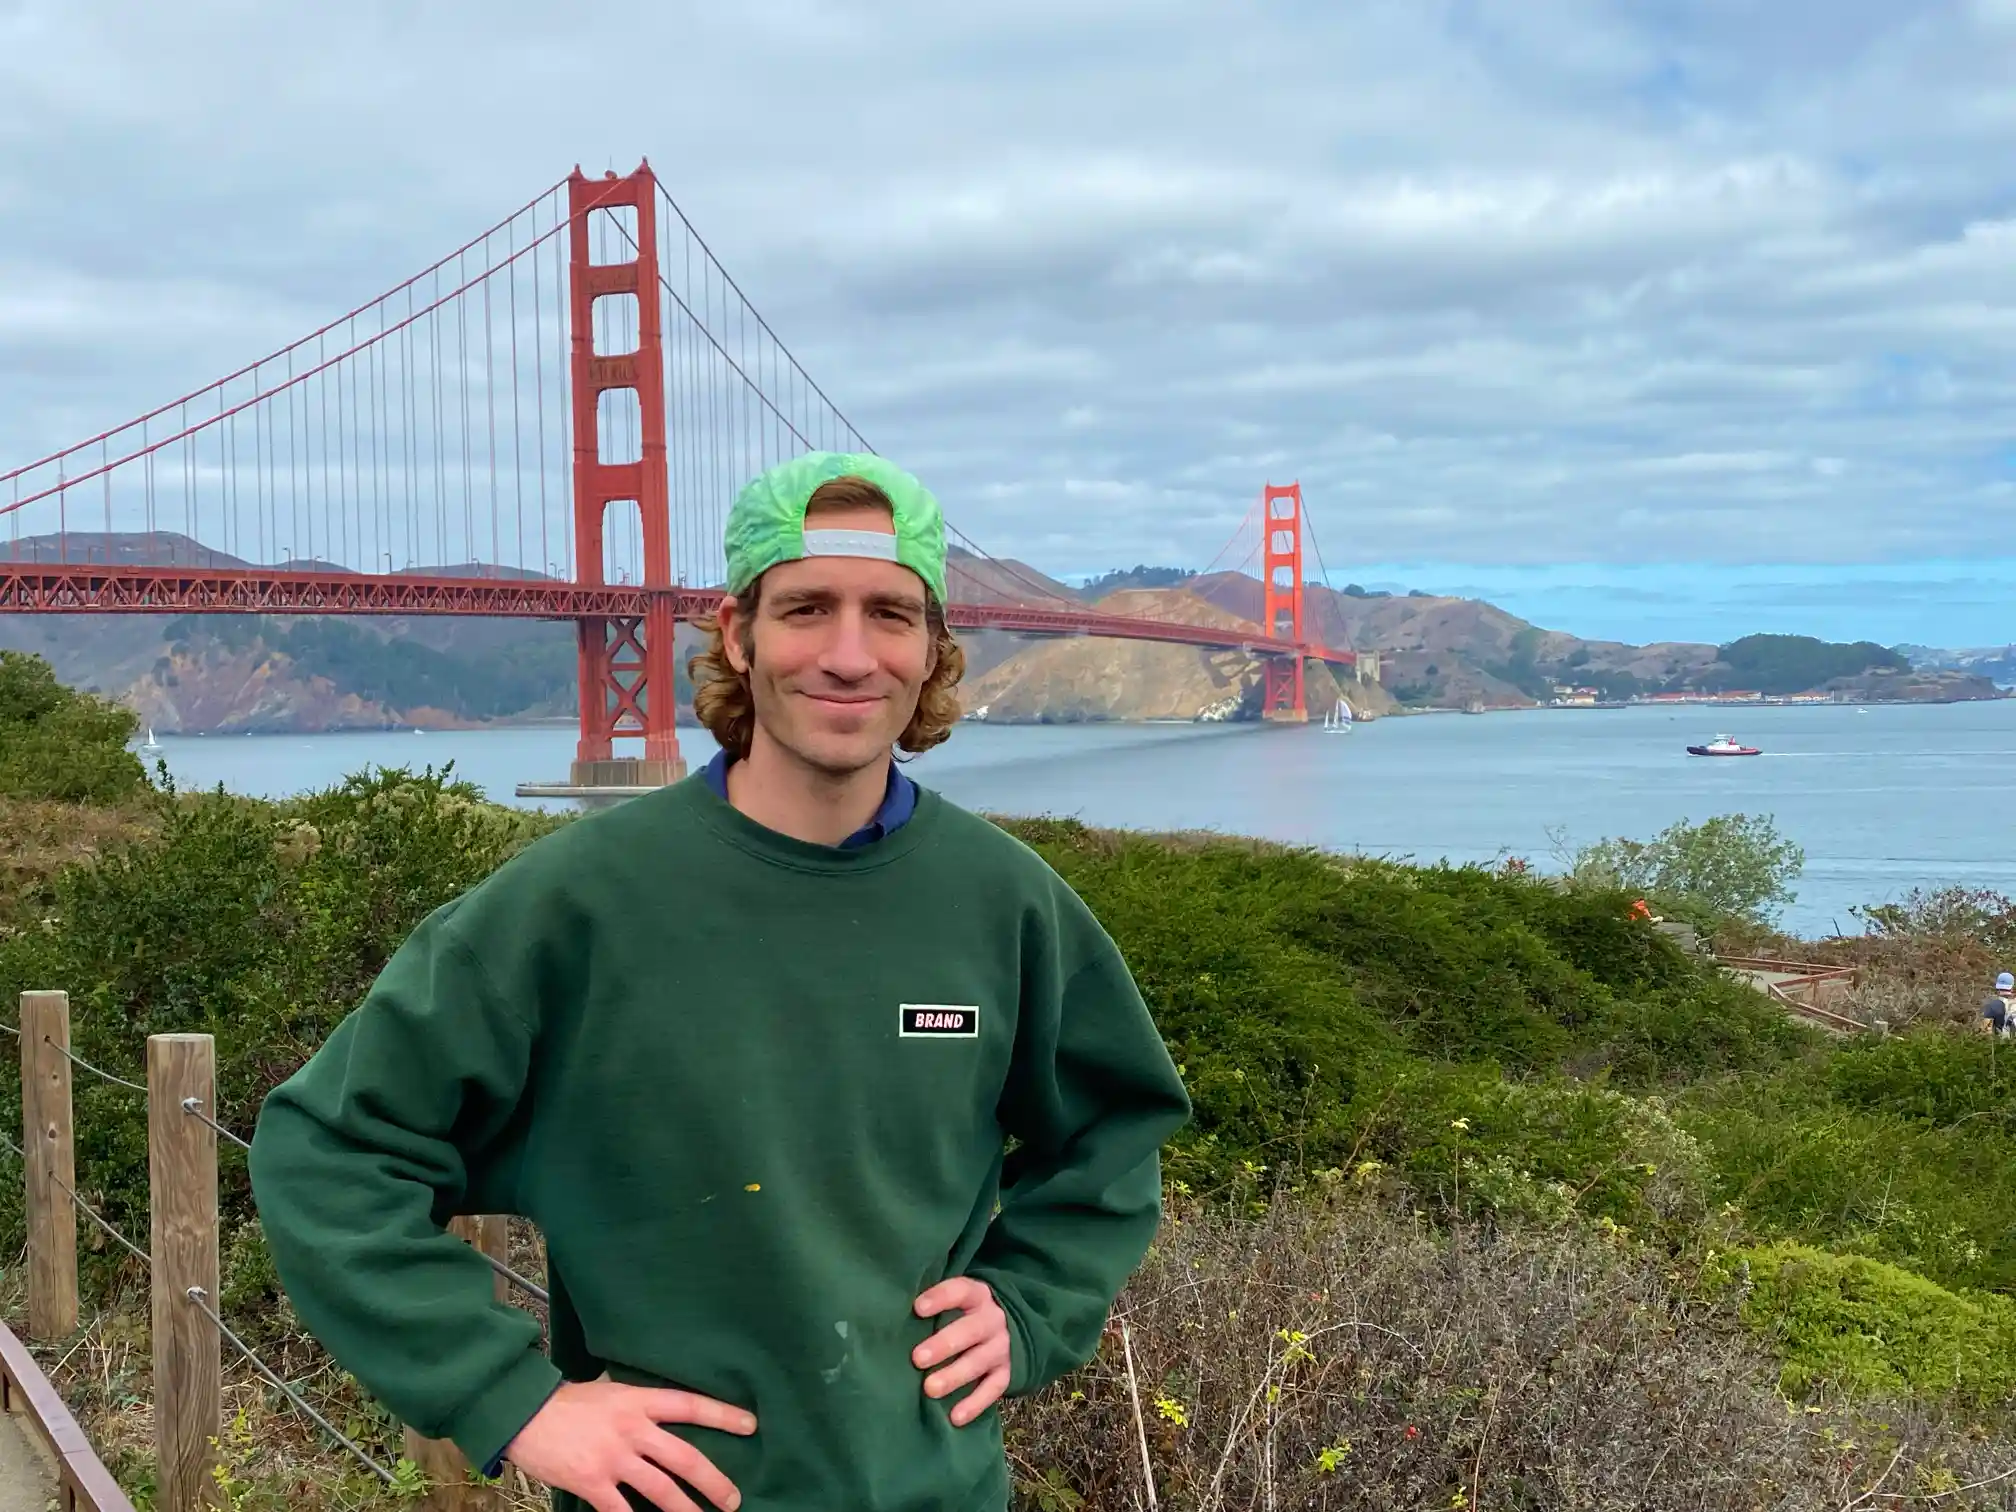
73	588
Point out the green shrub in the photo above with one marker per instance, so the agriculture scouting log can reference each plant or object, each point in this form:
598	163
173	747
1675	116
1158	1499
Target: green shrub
257	922
1871	1329
1931	1076
56	743
1547	1150
1328	1014
1852	1165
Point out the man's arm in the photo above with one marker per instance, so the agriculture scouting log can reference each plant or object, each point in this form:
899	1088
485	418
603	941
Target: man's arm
358	1161
1092	1096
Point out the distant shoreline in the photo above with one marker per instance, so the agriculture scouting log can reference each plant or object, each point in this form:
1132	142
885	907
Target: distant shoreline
685	716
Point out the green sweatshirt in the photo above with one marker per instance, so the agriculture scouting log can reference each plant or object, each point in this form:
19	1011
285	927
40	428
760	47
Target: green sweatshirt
755	1093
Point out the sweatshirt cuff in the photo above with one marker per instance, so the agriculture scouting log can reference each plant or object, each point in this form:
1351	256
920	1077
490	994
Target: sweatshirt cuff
1021	1359
485	1427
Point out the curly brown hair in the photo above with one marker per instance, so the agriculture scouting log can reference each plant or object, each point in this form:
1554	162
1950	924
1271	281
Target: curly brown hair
721	697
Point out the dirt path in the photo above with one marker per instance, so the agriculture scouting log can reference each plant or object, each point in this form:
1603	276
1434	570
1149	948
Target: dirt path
27	1483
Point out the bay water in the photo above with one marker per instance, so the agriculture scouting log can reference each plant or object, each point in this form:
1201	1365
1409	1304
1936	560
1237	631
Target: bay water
1897	797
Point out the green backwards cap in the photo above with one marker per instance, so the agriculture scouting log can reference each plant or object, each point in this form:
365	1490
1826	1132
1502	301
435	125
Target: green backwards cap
767	524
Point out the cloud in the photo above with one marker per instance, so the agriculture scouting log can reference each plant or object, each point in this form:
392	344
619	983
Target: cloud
1500	281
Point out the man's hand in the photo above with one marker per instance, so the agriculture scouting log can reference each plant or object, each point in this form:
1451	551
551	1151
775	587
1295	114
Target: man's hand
973	1349
594	1437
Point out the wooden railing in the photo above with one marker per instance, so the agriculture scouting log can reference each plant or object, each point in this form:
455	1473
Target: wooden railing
1806	989
189	1331
83	1484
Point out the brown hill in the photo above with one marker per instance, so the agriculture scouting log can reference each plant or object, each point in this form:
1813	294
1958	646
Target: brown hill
271	673
971	579
1453	652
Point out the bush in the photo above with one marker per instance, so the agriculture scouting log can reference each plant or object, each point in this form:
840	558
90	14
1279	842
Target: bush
1328	1013
1730	867
1340	1356
1973	914
1871	1329
1934	1079
56	743
1853	1150
257	922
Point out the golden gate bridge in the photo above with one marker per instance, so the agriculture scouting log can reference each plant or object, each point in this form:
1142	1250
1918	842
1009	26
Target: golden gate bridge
547	423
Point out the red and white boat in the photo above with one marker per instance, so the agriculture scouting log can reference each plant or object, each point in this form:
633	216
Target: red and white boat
1723	745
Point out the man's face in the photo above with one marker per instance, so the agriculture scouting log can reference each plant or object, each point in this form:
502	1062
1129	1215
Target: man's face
842	648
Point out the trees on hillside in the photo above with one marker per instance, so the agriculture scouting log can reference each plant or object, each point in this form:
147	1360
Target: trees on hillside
1795	663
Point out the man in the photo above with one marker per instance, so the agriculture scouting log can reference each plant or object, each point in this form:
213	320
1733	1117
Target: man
747	1049
1998	1014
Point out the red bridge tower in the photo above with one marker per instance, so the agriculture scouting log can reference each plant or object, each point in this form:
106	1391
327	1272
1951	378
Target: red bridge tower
626	664
1281	615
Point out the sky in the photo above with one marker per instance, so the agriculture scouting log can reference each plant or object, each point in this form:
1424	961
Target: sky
1662	319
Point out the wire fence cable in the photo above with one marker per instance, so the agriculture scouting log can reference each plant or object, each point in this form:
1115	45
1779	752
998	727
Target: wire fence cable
193	1106
522	1282
197	1295
92	1213
78	1060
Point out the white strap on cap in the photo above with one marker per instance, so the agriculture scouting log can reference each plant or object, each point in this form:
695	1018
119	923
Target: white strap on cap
851	543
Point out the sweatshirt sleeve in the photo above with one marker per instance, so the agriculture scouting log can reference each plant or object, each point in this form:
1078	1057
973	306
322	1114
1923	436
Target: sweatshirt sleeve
357	1163
1091	1097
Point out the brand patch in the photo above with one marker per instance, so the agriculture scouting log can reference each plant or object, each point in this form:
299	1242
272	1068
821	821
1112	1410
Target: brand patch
938	1021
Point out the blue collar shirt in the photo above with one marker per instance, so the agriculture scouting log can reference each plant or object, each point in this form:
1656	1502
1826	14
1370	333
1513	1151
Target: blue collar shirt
899	802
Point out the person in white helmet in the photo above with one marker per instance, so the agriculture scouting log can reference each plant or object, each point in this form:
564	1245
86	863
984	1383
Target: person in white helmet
1998	1014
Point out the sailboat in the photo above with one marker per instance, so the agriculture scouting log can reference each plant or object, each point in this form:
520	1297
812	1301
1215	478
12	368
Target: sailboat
1338	720
153	746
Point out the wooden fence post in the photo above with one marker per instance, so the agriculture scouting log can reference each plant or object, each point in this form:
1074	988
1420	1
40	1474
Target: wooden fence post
444	1464
188	1353
48	1141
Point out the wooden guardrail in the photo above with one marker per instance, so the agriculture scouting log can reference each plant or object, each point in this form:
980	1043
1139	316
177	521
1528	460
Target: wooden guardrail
1803	969
83	1484
189	1333
1803	986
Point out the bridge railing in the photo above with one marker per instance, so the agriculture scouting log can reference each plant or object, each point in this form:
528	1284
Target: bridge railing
190	1334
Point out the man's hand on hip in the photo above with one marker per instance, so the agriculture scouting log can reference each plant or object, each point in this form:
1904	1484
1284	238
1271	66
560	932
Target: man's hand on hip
975	1349
595	1437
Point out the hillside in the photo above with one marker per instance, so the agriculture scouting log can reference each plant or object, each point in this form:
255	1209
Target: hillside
1997	663
1439	652
287	674
275	674
191	673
